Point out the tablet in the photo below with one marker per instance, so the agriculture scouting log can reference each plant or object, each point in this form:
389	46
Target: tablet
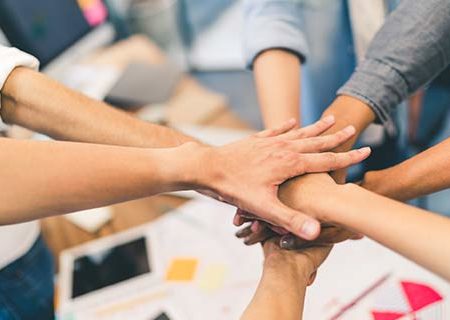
108	269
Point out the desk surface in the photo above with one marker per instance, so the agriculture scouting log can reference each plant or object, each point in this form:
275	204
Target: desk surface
60	234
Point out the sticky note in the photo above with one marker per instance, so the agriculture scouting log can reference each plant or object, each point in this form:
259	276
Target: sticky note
182	270
213	277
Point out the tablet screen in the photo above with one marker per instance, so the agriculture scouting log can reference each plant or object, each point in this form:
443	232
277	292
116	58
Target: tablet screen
110	266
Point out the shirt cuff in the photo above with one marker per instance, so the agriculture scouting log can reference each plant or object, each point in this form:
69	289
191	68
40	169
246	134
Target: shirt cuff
11	58
264	33
381	87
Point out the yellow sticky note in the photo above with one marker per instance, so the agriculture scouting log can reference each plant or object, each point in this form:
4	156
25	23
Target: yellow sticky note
212	277
182	270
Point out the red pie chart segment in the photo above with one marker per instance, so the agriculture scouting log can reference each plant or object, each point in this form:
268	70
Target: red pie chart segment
420	296
387	315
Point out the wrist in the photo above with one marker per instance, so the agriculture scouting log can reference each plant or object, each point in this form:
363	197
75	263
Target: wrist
372	182
313	194
387	183
296	269
195	166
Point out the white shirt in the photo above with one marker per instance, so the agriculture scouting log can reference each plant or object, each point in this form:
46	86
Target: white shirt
367	17
17	239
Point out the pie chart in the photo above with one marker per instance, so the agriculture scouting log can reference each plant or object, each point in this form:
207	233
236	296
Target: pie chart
419	298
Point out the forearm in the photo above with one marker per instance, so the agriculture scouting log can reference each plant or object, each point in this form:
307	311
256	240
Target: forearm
32	100
413	233
348	111
423	174
47	178
280	295
277	77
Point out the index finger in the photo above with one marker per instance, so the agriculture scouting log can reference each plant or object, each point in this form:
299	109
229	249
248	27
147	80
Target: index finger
285	127
330	161
313	130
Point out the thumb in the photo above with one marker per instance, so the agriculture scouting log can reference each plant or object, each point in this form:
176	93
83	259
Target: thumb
296	222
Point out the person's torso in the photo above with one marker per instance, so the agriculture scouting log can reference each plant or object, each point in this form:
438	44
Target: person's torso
16	240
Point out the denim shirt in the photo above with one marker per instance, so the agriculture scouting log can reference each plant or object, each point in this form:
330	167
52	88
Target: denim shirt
410	50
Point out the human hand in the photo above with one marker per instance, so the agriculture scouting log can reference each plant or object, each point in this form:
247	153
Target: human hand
248	173
258	231
302	264
303	193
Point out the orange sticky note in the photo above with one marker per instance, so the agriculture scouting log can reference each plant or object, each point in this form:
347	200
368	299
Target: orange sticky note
182	270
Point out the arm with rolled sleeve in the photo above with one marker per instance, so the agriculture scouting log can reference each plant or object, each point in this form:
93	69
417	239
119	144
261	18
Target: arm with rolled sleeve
273	24
274	48
11	58
410	50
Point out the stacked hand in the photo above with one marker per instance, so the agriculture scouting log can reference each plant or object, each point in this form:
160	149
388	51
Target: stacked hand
248	173
300	193
303	263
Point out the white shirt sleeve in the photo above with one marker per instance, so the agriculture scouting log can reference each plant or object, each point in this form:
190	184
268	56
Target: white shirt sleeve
10	58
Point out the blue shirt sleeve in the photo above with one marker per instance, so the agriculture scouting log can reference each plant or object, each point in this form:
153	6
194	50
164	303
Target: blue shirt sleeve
271	24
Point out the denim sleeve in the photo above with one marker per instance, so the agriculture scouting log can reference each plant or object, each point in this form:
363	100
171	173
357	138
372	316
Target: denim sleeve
411	49
273	24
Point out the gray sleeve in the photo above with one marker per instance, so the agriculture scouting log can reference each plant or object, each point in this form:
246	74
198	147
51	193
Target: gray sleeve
273	24
410	50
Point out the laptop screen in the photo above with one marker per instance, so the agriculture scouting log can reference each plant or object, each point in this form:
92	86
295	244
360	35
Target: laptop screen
46	28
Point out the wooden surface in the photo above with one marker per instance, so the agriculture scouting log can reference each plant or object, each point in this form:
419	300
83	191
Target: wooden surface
210	108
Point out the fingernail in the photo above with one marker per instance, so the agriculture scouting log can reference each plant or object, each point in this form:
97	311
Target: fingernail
365	150
248	241
287	242
328	119
309	229
256	226
350	130
236	220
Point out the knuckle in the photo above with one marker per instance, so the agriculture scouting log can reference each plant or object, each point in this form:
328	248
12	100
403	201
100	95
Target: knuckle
332	160
292	221
324	144
281	144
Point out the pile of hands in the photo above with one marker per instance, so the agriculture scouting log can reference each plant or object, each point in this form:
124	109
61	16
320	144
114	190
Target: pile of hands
261	174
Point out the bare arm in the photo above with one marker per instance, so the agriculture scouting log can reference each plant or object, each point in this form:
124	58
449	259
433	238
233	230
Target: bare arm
62	113
282	288
423	174
47	178
277	77
34	101
280	294
414	233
